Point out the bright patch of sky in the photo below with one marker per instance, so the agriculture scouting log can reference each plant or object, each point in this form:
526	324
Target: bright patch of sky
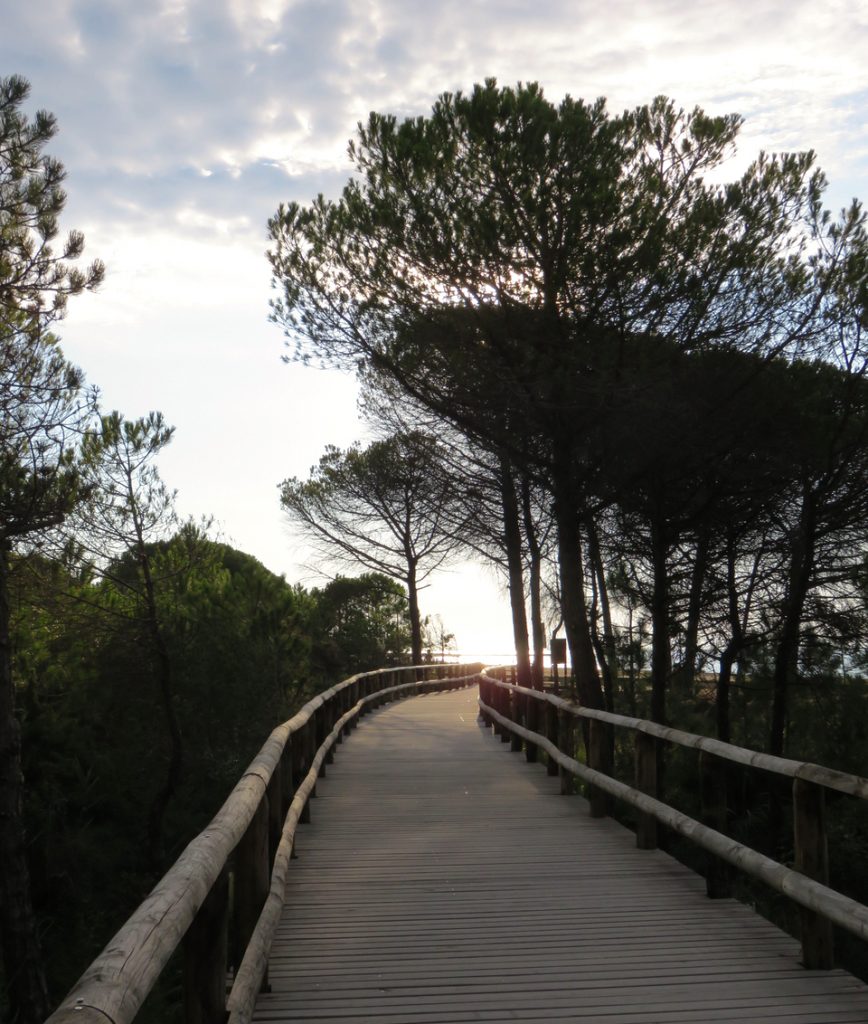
185	122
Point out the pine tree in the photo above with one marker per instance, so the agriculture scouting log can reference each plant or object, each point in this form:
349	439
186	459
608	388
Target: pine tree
44	406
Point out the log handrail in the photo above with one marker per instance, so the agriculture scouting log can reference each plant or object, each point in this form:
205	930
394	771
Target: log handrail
248	979
830	778
500	706
116	984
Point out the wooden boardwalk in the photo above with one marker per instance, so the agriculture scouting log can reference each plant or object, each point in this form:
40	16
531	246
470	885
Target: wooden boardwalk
443	879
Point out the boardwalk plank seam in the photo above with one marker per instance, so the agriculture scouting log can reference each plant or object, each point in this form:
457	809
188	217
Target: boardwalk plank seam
444	880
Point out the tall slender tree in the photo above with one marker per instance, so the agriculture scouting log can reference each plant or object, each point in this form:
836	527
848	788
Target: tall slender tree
44	406
129	510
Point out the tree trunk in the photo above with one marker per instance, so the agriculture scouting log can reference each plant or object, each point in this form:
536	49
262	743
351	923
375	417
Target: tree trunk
724	681
415	617
736	642
22	958
576	624
536	618
632	668
686	674
157	812
605	645
787	653
515	568
661	656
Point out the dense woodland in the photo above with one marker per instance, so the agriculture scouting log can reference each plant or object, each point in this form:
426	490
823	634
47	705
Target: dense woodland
636	388
245	650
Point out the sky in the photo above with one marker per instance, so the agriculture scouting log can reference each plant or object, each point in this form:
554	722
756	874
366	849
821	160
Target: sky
184	123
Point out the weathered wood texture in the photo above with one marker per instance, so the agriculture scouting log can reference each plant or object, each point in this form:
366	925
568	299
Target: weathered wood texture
115	985
445	880
853	785
812	895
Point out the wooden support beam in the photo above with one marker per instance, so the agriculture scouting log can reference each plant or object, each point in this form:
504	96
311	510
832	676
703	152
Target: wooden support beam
205	957
516	707
551	734
712	786
327	715
287	773
485	698
532	721
252	878
300	765
812	859
506	711
352	700
274	799
646	782
567	743
598	759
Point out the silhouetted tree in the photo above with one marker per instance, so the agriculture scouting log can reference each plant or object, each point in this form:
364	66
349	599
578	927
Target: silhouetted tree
129	510
384	507
504	259
43	408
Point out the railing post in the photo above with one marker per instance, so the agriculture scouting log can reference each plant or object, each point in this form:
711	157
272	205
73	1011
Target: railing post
504	709
320	731
287	768
352	700
205	957
483	699
300	766
287	774
516	702
310	747
598	759
532	716
328	715
712	783
646	782
274	796
812	859
567	743
347	704
339	706
497	704
252	878
551	733
343	706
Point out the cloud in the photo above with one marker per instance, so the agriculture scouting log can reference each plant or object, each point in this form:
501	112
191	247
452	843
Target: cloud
262	95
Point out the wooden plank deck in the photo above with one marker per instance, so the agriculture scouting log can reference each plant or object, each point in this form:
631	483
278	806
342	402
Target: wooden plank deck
443	879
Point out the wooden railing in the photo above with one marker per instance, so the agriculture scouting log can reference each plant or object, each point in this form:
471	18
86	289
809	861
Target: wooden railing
251	839
545	722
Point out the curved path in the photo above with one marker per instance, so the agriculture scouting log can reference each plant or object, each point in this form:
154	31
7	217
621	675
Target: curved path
443	879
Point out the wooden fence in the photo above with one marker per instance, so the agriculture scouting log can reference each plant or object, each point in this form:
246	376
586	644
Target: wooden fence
545	722
250	841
